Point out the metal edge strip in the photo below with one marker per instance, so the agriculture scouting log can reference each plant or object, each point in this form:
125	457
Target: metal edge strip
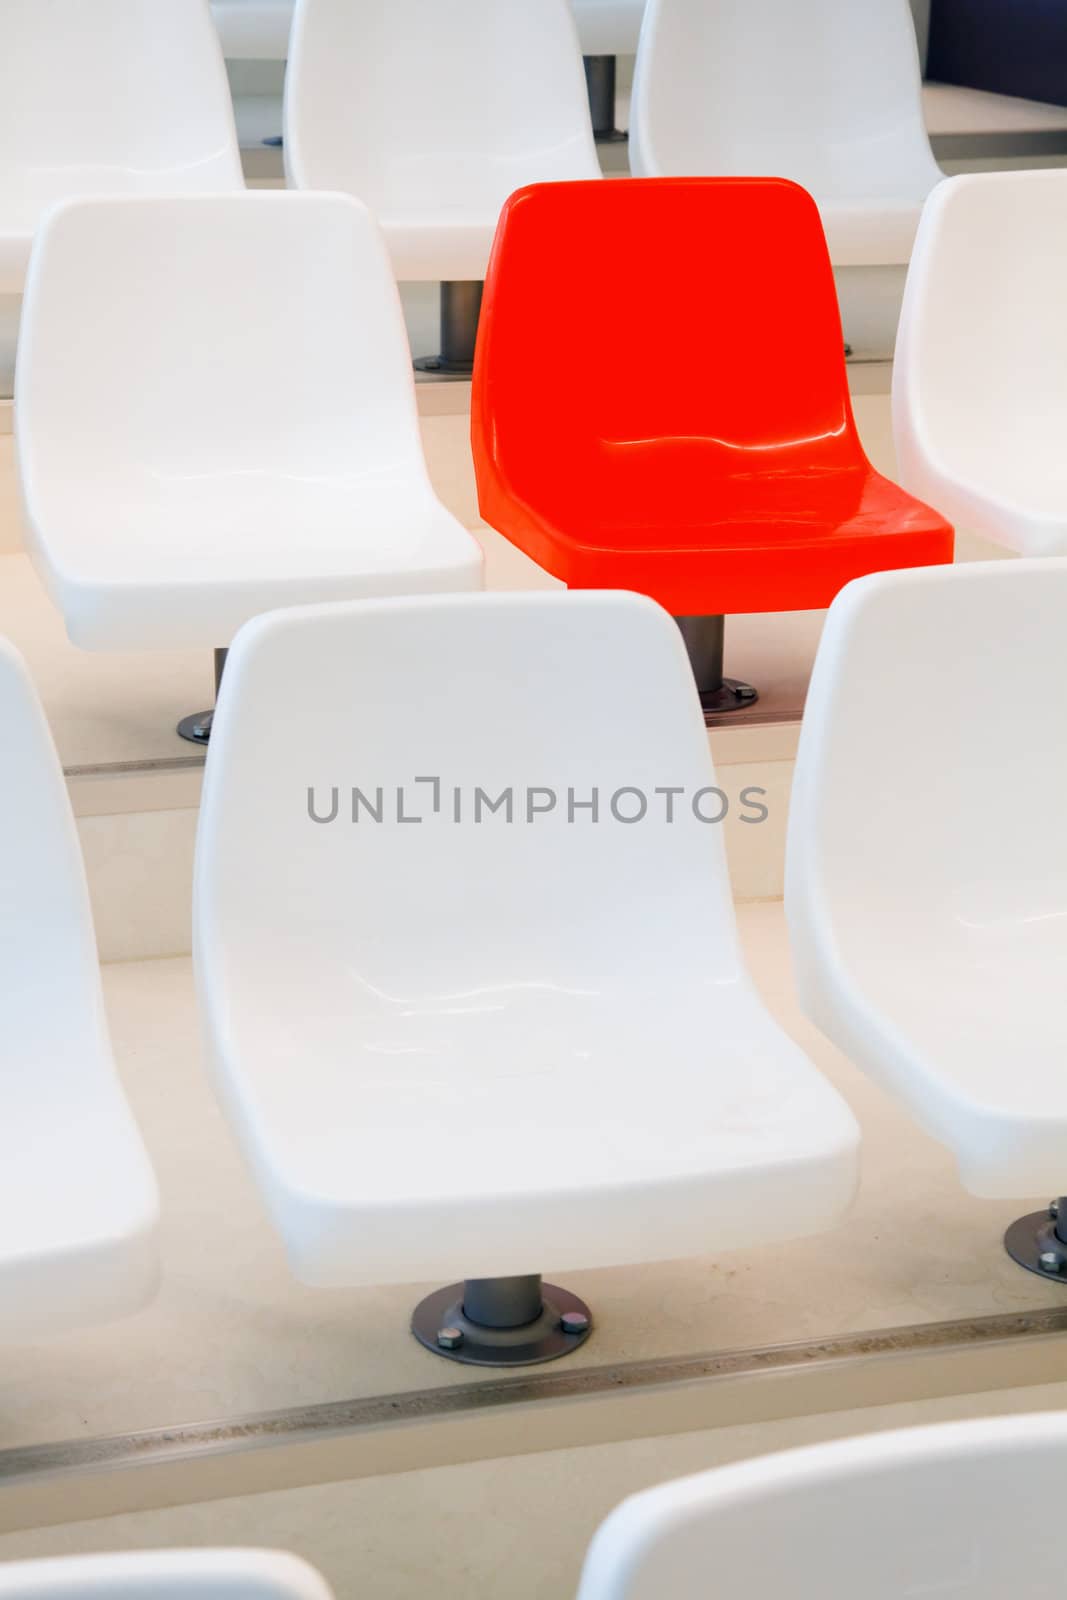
151	764
304	1425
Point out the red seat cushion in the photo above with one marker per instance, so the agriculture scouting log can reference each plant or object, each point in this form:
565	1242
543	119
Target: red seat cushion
661	403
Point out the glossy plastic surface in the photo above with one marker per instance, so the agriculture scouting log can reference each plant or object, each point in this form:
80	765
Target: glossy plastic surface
980	378
927	863
233	429
608	27
164	1575
116	96
479	1048
966	1508
78	1201
666	462
827	93
432	114
253	30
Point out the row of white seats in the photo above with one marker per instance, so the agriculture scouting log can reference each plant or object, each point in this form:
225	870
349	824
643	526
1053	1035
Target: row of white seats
827	94
132	95
388	1005
969	1508
215	440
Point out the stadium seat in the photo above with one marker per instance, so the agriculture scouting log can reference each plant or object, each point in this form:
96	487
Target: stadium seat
664	460
78	1199
233	429
164	1575
827	93
500	102
963	1508
980	377
926	883
119	96
493	1012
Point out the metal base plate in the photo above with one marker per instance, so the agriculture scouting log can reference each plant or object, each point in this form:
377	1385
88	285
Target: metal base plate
197	728
1028	1239
544	1340
611	135
443	368
732	695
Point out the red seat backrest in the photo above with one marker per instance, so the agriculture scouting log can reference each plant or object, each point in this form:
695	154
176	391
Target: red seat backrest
643	338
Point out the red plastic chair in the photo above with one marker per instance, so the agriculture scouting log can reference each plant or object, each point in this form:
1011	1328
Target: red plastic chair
656	453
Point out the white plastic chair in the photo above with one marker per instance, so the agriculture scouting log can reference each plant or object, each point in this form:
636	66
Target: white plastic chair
433	115
234	428
116	96
78	1200
470	1047
926	883
253	30
980	378
165	1575
970	1509
826	92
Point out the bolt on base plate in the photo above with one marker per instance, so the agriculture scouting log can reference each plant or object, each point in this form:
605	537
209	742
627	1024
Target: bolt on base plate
1032	1241
439	1324
443	367
197	728
731	695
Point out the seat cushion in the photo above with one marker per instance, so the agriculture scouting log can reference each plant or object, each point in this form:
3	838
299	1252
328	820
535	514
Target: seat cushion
771	542
423	1143
167	569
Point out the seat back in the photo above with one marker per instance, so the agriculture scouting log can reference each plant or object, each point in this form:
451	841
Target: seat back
47	943
541	697
165	1575
424	110
939	1510
651	292
80	1203
927	799
230	335
119	95
825	92
980	377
